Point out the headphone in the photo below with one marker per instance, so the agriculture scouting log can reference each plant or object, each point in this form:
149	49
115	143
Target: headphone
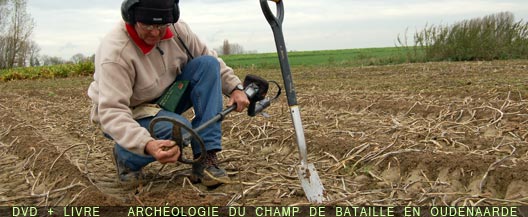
127	10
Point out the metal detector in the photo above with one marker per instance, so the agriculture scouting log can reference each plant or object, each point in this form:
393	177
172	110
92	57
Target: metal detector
255	89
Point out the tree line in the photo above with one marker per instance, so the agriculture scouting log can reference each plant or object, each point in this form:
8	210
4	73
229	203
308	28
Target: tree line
16	26
17	49
229	48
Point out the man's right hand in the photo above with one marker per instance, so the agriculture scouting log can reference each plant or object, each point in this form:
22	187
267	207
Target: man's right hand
165	151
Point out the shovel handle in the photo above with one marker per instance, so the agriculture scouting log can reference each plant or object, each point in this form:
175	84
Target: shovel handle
272	19
276	25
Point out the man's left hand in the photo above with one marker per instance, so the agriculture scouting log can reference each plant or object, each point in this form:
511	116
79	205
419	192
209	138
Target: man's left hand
239	98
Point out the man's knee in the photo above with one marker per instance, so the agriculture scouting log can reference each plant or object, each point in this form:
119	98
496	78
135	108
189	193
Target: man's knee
209	60
210	64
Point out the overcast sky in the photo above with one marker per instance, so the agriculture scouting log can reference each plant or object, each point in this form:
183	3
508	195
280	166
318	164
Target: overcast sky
67	27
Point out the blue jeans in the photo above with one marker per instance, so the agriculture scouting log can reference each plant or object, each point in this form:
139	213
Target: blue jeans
204	94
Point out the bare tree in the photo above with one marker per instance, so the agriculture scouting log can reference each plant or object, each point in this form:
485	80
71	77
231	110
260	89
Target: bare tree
51	60
4	12
226	48
15	39
4	9
236	49
34	50
230	48
78	58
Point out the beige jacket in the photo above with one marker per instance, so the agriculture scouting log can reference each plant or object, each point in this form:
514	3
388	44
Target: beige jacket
128	75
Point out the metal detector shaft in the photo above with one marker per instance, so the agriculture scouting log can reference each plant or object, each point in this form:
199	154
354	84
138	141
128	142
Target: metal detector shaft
220	116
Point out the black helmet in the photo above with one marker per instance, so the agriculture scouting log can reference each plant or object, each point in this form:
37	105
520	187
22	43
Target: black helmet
150	11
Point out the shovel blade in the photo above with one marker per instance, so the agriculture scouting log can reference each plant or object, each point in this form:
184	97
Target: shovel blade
311	183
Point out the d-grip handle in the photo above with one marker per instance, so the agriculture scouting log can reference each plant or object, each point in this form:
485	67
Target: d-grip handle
276	25
272	19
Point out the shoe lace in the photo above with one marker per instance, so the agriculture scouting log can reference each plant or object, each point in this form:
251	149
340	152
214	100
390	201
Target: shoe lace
211	159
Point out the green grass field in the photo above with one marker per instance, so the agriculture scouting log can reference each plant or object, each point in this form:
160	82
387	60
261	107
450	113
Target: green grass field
346	57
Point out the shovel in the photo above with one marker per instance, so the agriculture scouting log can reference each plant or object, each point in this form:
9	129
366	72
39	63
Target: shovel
310	182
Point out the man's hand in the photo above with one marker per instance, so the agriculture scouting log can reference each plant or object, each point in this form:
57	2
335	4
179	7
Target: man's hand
165	151
239	98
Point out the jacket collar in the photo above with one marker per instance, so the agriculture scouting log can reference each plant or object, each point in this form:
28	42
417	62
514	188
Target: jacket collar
145	48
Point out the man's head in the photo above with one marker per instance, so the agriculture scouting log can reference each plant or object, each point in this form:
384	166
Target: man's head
150	18
150	11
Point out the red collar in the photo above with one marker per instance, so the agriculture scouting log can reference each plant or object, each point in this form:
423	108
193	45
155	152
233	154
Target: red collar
145	48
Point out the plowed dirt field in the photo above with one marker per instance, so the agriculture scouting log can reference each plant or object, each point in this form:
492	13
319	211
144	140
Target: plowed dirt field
412	134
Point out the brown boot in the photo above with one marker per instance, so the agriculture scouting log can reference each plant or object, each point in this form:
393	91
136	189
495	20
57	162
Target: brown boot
208	172
126	175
